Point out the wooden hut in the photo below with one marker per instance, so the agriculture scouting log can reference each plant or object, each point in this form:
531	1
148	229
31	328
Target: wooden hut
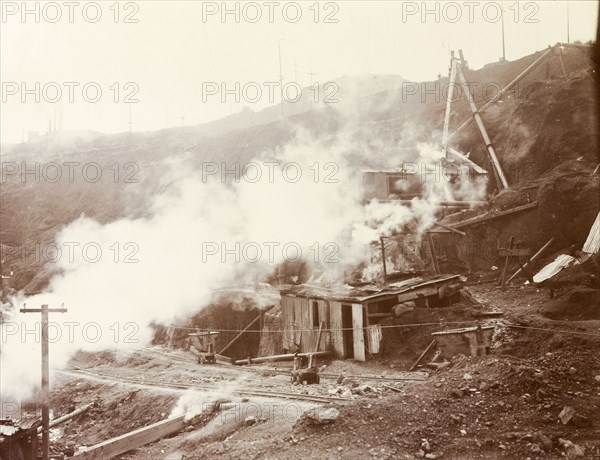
350	316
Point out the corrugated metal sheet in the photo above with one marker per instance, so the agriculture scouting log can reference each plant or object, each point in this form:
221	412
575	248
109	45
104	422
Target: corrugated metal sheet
592	244
8	430
361	294
553	268
374	336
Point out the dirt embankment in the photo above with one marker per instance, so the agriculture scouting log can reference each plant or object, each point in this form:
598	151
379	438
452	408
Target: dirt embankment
504	405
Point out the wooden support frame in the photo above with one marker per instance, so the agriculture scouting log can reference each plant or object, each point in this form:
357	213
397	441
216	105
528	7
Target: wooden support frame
497	168
503	91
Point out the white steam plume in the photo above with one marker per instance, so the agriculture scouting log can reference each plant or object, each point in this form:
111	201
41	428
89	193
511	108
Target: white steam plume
111	303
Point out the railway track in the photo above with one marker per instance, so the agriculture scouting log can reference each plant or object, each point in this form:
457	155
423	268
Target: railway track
73	371
408	377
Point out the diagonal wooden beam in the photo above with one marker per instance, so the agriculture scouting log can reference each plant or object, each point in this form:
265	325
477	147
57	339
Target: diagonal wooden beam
494	215
226	347
503	91
140	437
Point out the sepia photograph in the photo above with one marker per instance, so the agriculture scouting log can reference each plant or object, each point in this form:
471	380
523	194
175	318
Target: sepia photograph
355	229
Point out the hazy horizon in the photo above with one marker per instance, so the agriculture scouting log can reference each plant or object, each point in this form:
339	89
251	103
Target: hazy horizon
167	72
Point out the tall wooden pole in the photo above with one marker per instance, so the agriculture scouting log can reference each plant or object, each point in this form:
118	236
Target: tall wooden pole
45	375
450	95
500	177
45	386
383	260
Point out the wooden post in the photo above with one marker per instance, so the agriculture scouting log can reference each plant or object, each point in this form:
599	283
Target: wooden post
45	375
436	265
535	256
506	261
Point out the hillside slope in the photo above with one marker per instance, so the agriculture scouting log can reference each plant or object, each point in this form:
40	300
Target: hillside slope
545	130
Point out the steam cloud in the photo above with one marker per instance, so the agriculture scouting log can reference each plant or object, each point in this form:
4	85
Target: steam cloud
171	281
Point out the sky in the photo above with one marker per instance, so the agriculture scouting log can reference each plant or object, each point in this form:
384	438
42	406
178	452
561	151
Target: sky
91	64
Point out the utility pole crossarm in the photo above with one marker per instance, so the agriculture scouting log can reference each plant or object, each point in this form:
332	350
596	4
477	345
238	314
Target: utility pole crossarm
41	310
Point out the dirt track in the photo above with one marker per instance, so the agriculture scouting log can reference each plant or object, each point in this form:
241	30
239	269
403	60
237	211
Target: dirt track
505	405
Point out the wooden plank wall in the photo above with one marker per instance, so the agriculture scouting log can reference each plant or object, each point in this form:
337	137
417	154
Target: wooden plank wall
335	322
306	338
287	313
325	344
299	327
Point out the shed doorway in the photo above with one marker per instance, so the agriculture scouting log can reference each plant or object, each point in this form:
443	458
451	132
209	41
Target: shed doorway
347	331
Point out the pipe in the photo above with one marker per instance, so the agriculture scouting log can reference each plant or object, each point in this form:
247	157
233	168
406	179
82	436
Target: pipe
466	159
501	179
69	416
286	357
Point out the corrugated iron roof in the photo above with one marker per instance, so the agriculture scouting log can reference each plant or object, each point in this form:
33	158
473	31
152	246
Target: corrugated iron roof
8	430
592	243
363	293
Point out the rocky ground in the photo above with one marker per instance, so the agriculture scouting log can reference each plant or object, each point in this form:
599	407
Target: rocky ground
536	395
